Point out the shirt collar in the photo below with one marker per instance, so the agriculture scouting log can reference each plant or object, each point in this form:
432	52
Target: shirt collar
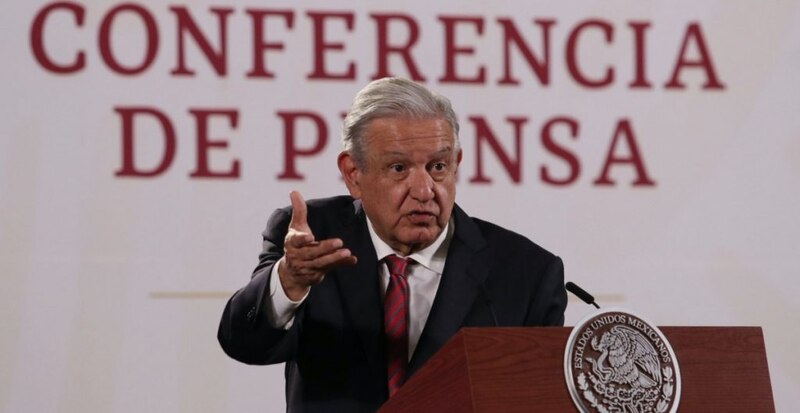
432	257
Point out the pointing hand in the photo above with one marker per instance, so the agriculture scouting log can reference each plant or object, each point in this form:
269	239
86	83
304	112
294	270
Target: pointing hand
306	260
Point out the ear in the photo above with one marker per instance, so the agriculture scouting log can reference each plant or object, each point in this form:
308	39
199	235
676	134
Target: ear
350	173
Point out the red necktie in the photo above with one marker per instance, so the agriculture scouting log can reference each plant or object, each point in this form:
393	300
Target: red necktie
395	322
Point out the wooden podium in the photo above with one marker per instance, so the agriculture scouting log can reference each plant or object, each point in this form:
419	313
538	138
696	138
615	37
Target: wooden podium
723	369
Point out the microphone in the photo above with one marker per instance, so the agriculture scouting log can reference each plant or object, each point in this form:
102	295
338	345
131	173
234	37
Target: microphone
581	293
485	294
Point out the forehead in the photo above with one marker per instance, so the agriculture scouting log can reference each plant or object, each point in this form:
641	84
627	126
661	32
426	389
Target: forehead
408	134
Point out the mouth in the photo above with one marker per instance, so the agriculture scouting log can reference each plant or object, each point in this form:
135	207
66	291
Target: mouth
421	217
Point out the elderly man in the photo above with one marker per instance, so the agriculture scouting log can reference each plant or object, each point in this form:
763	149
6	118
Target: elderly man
356	292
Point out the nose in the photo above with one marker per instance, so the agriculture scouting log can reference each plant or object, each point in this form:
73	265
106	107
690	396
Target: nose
420	186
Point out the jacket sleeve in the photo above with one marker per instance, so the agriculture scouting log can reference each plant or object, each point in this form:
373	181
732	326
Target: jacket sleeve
244	333
550	297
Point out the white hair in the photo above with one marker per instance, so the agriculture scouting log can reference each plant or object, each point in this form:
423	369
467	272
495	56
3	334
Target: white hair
393	97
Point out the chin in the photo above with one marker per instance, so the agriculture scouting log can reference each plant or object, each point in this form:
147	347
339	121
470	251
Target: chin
424	237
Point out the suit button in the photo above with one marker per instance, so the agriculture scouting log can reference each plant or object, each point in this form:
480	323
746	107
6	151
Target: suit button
251	314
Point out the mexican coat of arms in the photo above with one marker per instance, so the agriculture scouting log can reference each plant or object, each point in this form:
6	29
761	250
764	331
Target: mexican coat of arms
615	362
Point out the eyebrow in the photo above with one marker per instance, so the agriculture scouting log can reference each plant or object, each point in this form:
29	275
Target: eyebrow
443	151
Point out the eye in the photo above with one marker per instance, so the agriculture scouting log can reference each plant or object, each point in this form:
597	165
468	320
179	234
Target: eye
439	166
397	167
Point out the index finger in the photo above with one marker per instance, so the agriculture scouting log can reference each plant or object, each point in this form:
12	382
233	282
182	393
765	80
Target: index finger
299	212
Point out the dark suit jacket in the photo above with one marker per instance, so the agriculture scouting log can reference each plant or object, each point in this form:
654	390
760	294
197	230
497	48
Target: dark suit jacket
335	353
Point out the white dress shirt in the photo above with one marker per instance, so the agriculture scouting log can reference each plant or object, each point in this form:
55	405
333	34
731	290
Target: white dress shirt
423	276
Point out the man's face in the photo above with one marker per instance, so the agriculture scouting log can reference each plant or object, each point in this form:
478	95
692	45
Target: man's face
407	183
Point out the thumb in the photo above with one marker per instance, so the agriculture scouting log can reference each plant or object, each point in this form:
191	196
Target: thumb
299	213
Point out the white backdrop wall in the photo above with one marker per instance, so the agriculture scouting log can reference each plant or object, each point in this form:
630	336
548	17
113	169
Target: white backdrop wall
113	284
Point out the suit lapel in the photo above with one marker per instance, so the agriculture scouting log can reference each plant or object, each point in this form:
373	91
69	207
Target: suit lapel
464	272
358	286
